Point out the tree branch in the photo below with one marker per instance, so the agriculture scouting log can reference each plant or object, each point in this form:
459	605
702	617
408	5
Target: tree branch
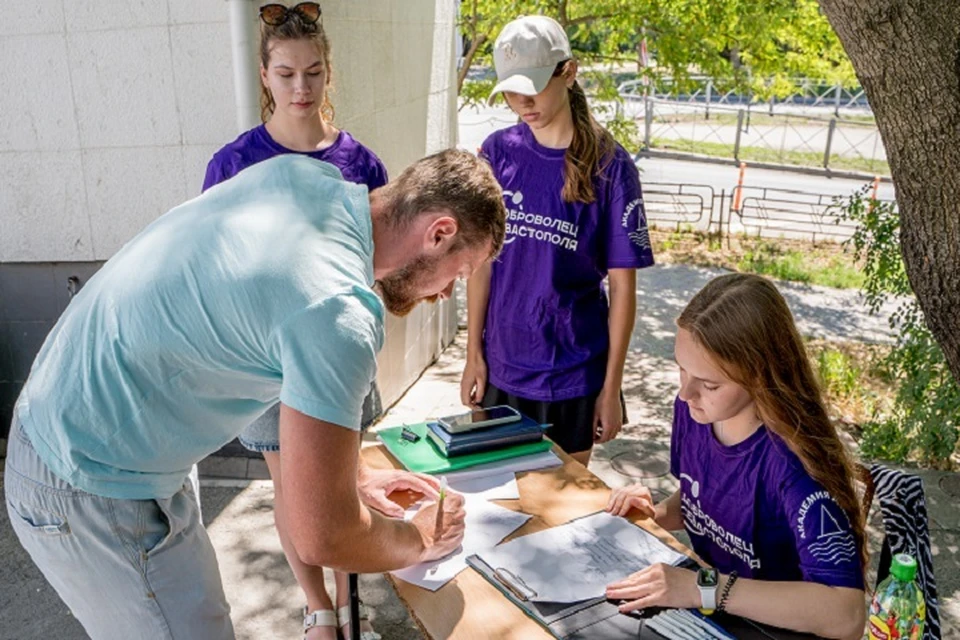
588	19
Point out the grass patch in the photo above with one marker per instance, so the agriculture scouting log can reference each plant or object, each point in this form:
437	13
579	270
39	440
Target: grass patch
755	117
854	381
826	263
763	154
830	270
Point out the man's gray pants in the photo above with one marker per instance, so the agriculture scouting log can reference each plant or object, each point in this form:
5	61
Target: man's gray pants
126	568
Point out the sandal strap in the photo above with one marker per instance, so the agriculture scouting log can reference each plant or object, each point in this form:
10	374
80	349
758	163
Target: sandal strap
319	618
343	613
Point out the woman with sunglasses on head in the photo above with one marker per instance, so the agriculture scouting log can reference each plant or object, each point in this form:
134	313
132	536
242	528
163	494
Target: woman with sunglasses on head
295	74
542	336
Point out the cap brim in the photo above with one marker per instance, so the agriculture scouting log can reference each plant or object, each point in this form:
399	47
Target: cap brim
527	82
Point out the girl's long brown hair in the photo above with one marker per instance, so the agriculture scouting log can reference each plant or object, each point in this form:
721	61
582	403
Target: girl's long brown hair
294	29
745	324
590	151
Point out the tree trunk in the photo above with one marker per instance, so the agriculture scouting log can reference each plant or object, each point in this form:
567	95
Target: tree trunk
475	44
907	56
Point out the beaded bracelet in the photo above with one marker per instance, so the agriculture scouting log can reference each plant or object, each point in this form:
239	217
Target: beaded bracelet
722	605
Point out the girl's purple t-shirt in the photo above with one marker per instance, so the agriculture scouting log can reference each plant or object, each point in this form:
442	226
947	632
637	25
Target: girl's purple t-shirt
753	508
356	162
546	335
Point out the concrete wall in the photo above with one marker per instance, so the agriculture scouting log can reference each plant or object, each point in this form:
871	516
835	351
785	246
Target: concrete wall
112	108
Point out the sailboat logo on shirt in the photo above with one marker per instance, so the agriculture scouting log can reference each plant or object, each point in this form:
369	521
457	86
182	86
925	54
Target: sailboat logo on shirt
834	544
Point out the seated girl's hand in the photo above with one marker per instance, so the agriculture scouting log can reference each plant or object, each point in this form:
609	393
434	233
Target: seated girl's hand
661	585
635	496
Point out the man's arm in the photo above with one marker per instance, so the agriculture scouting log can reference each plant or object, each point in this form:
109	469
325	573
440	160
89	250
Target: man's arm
329	525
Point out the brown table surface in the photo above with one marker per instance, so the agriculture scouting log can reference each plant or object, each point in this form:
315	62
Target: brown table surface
553	497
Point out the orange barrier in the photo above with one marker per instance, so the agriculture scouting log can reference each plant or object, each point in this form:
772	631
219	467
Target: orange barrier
738	196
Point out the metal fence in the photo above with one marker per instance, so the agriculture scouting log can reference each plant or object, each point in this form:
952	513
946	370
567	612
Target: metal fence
807	95
745	133
755	211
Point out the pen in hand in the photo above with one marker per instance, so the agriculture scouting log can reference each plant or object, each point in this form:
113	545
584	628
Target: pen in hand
443	494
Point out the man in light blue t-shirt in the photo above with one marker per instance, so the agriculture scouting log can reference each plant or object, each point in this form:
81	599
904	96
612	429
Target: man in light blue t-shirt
261	289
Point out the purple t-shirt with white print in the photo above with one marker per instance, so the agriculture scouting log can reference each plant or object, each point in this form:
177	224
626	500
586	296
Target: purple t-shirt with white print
546	335
356	162
753	508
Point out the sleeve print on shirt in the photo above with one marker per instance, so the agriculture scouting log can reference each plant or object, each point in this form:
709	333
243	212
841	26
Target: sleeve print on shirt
824	532
628	239
636	225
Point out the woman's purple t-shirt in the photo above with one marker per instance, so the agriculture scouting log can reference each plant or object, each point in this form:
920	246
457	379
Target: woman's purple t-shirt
753	508
546	335
356	162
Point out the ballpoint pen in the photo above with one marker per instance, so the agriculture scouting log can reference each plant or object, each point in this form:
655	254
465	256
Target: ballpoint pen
443	494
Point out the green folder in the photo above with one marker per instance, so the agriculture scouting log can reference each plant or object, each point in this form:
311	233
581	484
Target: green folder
423	457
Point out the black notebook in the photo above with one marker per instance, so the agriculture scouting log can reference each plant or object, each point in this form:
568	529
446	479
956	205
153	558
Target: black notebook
600	619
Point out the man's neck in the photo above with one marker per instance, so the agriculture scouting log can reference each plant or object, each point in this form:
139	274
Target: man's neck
391	250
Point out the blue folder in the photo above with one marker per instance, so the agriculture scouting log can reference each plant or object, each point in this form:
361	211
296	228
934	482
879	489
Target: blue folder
502	435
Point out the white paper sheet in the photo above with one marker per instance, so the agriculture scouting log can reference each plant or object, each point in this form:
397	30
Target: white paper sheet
486	525
577	561
543	460
500	486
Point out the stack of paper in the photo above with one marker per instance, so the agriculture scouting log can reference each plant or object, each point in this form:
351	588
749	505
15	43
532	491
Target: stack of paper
486	525
577	561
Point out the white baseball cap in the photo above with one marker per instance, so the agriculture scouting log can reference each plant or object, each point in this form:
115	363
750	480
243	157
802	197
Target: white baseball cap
526	54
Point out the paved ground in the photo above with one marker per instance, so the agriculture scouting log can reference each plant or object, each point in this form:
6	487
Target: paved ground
261	588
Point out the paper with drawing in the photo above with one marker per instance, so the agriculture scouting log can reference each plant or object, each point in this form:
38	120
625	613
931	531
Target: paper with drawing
576	561
486	525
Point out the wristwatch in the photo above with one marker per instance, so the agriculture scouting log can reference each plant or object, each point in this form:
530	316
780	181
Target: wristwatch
708	579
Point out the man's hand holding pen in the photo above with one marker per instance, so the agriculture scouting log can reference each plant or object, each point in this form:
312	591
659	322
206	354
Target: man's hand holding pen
441	525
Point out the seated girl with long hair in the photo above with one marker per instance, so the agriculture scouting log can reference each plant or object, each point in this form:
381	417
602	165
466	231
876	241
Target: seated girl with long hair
766	486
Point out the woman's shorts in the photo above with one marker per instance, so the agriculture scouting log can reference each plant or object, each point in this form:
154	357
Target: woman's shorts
572	419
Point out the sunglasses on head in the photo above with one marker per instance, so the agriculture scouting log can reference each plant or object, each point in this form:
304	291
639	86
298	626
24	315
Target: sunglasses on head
276	14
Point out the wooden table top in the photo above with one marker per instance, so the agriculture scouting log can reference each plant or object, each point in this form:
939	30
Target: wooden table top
553	497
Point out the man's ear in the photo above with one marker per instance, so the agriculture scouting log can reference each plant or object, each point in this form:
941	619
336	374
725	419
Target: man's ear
440	234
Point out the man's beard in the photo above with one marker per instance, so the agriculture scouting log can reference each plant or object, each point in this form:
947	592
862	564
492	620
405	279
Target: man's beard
400	289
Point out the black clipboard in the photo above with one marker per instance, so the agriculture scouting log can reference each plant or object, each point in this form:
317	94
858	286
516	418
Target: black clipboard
597	618
600	619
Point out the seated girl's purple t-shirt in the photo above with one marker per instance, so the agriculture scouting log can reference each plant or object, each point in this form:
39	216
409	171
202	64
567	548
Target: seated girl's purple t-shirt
356	162
753	508
546	336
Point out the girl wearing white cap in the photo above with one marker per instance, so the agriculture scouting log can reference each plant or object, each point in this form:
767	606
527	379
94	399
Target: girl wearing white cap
543	335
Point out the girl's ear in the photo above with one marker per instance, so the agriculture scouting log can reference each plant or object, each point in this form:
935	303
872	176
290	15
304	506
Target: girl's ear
263	76
570	73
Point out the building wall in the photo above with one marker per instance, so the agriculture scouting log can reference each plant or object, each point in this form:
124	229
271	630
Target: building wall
112	109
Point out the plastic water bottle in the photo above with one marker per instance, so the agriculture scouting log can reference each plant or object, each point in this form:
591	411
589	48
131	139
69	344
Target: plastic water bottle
898	609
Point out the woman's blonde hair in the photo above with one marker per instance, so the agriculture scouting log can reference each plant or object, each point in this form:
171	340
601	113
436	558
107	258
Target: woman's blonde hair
295	29
746	325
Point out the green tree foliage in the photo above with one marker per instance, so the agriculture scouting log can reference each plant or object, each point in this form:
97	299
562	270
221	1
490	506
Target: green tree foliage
925	422
742	42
